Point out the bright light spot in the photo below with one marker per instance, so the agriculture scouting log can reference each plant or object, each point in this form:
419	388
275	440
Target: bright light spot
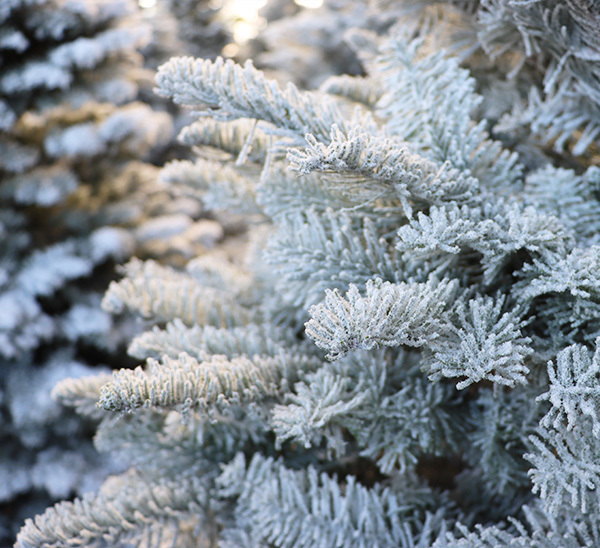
243	9
242	17
244	31
231	50
147	4
311	4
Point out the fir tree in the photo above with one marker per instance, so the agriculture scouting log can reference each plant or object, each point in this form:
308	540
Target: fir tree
407	354
78	194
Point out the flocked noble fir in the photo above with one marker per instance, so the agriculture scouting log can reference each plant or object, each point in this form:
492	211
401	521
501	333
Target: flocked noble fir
407	354
77	194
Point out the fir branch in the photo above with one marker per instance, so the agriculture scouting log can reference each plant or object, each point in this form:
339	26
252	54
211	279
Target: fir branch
565	466
35	74
44	185
499	427
483	537
159	442
523	230
389	314
317	408
231	91
290	509
250	340
568	287
570	528
165	294
570	197
47	269
186	383
576	274
314	251
574	389
518	536
216	271
400	428
564	103
447	229
219	186
82	394
486	344
240	139
390	168
568	115
282	193
356	88
87	53
497	233
126	509
429	101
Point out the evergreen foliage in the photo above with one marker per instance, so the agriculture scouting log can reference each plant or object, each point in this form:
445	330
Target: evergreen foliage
406	353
